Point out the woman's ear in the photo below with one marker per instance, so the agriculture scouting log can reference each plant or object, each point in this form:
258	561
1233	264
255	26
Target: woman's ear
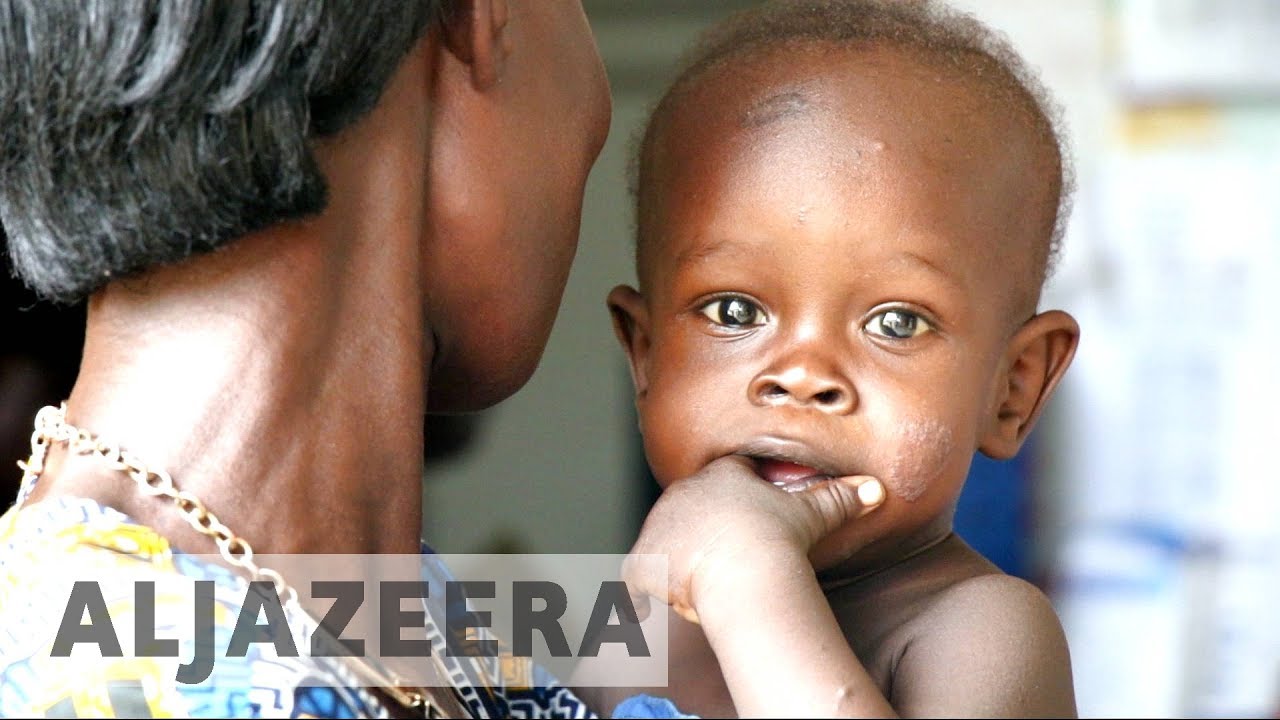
1035	361
473	33
631	326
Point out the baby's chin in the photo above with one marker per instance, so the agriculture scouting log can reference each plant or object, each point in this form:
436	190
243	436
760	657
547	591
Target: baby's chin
850	548
880	539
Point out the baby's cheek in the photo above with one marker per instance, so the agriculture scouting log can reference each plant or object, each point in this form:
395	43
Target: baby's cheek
924	447
671	438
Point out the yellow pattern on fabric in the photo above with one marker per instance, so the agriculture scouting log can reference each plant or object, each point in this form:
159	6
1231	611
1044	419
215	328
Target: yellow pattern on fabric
89	695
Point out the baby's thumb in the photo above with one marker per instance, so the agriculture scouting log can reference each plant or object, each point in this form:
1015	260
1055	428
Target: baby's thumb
841	500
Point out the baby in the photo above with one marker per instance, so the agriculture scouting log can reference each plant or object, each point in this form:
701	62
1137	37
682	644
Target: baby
846	211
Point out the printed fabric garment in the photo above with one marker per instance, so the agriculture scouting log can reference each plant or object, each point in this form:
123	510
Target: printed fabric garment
44	546
648	707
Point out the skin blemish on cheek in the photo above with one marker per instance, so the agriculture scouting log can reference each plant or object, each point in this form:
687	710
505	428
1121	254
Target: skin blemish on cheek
923	448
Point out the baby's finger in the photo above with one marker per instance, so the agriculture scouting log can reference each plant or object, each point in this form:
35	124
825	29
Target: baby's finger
640	603
841	500
870	491
686	612
638	574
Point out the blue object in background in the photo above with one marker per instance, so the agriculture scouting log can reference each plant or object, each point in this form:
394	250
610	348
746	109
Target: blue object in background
994	511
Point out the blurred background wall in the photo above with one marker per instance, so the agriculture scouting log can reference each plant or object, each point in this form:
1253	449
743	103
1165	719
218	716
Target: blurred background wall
1145	503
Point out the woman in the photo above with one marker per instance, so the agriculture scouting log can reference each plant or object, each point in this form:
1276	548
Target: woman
299	227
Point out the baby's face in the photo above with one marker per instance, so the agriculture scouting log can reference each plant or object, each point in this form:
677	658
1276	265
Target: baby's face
828	288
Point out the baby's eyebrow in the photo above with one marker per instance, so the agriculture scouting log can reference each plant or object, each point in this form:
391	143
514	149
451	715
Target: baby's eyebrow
911	258
707	250
703	251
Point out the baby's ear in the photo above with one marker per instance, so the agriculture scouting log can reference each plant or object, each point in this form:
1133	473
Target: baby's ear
473	33
1038	355
631	325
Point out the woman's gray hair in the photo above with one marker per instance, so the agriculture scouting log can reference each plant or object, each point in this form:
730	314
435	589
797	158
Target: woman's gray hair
139	132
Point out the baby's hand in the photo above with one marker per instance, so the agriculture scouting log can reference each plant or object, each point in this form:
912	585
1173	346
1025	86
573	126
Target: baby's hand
725	520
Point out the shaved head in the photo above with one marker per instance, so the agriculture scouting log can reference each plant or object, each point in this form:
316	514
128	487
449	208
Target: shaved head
954	46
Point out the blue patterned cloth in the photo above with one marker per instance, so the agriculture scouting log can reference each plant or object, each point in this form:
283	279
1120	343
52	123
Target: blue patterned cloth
43	545
647	707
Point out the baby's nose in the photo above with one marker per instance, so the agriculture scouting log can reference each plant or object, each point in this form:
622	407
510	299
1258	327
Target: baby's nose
804	386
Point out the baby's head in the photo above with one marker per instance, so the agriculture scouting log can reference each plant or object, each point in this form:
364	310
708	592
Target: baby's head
845	213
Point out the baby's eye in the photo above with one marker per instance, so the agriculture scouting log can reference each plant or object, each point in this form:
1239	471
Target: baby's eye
897	325
733	312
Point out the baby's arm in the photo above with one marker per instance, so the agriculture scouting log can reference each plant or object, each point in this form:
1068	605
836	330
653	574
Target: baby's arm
990	646
736	553
780	648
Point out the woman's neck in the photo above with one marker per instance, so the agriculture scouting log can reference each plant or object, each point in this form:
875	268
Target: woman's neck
284	396
282	378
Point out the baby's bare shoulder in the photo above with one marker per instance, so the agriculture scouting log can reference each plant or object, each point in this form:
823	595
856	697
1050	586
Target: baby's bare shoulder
996	596
990	644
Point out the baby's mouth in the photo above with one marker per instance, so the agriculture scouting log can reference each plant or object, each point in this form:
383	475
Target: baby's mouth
789	476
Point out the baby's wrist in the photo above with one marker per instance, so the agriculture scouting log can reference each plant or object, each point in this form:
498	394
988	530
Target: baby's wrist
729	589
